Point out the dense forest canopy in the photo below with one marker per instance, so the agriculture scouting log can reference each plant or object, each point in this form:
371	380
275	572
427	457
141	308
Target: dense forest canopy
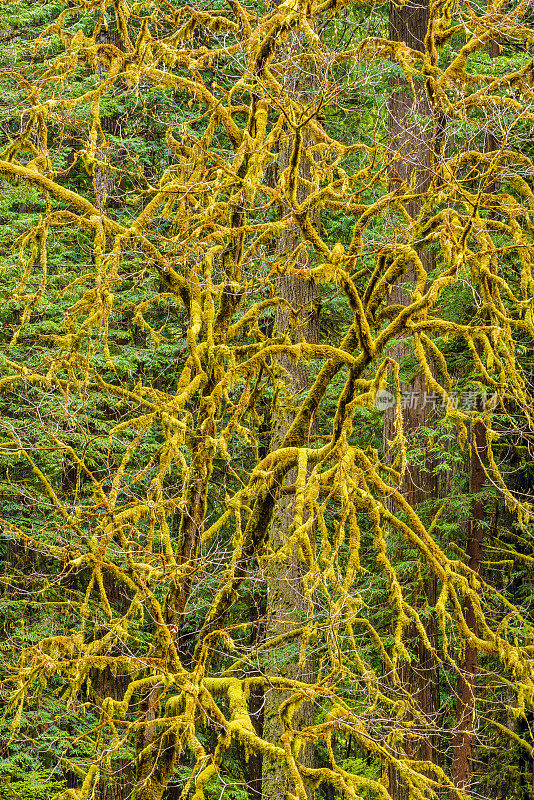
266	388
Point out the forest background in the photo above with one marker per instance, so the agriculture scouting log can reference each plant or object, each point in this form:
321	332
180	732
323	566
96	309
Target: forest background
266	400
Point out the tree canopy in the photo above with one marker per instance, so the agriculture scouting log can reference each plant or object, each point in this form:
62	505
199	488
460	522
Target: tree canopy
145	360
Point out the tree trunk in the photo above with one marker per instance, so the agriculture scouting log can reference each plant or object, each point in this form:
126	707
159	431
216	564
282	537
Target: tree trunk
104	181
462	758
466	689
411	143
116	782
287	608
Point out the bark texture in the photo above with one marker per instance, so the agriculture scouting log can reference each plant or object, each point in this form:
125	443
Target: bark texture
411	144
466	689
115	782
462	759
287	607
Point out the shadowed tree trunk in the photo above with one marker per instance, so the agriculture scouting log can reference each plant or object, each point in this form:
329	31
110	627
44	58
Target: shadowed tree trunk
411	145
104	180
116	781
287	606
462	758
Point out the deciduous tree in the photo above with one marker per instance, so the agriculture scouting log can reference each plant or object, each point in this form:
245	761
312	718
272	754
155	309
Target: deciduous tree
163	531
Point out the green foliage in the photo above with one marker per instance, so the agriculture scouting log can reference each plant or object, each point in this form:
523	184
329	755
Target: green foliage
22	779
153	431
